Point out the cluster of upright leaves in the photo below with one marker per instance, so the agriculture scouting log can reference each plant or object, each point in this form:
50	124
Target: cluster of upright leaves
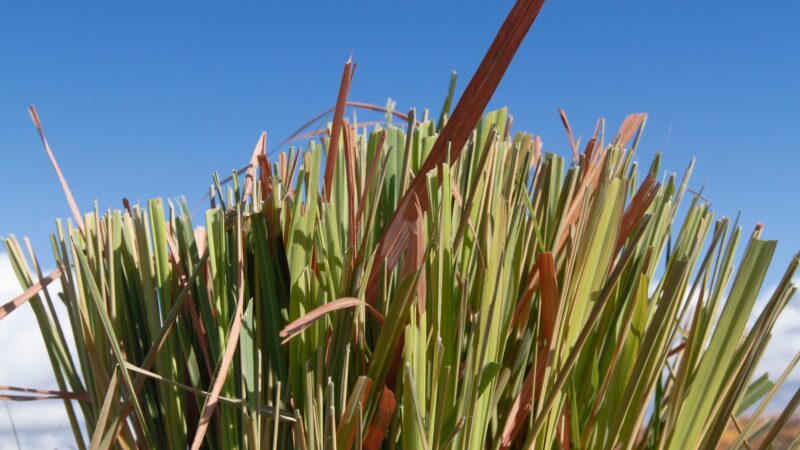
539	304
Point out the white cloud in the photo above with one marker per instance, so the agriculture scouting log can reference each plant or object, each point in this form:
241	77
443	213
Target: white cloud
783	346
39	424
780	350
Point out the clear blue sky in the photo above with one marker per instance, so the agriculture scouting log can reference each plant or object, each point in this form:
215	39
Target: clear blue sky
146	100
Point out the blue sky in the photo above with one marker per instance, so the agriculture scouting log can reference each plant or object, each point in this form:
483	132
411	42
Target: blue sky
143	100
146	100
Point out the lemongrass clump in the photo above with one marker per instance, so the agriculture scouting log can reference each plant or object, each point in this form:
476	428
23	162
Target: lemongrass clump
418	284
533	302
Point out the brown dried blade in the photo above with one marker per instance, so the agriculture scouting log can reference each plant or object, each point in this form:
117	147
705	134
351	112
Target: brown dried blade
572	143
636	209
381	420
67	192
336	127
260	149
41	394
455	133
630	125
29	293
550	298
295	327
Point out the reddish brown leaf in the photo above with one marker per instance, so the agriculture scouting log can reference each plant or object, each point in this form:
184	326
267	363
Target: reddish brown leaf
593	143
41	394
28	398
315	133
520	408
29	293
296	135
381	420
336	126
572	143
264	173
200	239
636	209
346	432
630	125
550	299
376	108
283	168
563	434
260	149
677	349
67	192
295	327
